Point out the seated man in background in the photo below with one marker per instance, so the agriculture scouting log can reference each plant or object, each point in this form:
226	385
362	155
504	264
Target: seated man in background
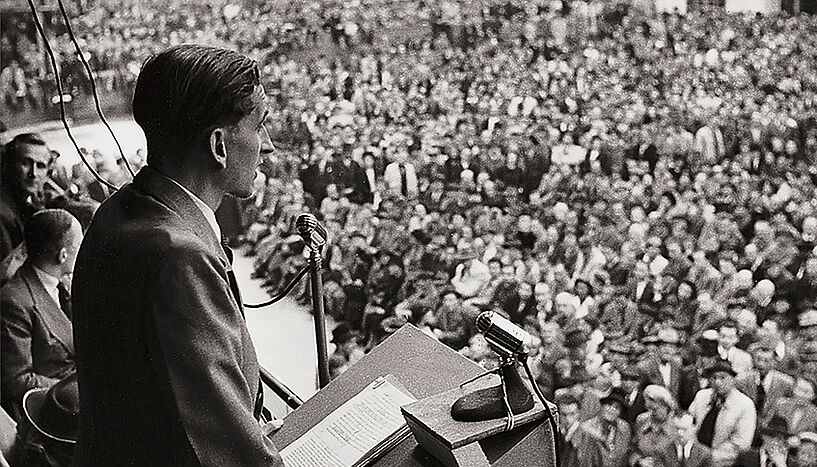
25	163
36	337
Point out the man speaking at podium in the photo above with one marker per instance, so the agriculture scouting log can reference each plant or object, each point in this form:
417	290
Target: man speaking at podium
167	372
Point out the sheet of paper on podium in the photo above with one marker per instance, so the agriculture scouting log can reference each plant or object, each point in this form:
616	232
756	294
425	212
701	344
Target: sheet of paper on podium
356	433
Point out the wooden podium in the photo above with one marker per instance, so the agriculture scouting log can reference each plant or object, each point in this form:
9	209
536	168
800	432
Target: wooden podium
426	368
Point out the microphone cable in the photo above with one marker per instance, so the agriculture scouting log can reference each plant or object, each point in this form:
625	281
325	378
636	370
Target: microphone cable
87	67
283	293
58	81
553	426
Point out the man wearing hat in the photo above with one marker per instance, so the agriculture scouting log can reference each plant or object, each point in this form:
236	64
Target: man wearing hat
725	418
48	432
728	339
604	440
665	370
346	353
773	450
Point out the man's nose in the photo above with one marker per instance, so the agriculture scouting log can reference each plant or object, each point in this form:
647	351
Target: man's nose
267	147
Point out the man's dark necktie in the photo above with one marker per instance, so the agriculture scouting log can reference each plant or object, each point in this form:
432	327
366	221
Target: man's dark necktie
761	397
707	430
65	299
231	275
403	179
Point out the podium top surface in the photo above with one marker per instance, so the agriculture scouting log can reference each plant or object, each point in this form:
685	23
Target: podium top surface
423	365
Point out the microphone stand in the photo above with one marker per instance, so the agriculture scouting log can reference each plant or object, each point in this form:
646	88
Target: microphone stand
316	283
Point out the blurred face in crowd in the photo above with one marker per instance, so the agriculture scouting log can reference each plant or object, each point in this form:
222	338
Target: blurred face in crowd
450	300
610	411
803	390
763	360
722	382
569	414
30	169
685	291
728	337
658	410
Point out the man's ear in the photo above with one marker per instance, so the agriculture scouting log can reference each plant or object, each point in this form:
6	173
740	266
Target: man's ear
218	147
62	255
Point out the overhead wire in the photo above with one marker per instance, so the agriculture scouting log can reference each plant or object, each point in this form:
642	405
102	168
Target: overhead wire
87	67
58	81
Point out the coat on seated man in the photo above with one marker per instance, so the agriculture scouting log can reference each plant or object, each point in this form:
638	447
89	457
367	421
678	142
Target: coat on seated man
36	337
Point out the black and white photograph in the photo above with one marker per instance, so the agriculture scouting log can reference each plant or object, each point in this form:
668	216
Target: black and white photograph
439	233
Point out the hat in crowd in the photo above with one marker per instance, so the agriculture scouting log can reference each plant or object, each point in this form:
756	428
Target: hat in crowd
342	334
777	426
708	343
616	396
55	412
720	366
660	394
807	318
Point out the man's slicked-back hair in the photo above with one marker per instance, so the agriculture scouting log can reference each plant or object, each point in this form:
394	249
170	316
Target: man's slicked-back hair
45	231
188	89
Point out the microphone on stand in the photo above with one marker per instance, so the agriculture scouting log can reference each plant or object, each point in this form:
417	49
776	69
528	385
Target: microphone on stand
311	231
314	236
505	338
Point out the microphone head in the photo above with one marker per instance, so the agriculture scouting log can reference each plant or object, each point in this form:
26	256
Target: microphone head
305	223
484	321
504	337
311	231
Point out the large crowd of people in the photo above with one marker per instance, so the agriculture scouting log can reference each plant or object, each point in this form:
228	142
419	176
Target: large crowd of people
636	190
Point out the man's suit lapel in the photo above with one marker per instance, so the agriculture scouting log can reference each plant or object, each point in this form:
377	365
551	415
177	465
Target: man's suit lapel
169	193
49	311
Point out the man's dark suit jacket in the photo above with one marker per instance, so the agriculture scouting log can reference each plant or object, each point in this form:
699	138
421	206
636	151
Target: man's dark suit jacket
699	456
748	458
167	371
12	216
36	341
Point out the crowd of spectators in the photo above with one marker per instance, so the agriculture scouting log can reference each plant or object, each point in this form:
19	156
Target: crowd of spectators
636	190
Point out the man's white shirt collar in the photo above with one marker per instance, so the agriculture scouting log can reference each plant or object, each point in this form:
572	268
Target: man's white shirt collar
50	283
204	208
